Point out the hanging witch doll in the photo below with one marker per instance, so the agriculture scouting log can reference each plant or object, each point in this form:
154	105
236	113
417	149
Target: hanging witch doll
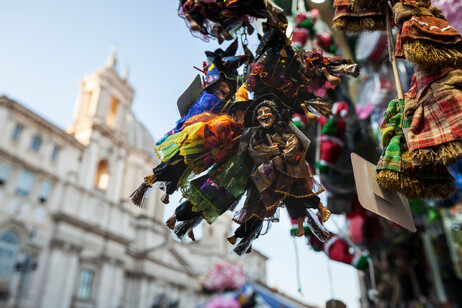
280	174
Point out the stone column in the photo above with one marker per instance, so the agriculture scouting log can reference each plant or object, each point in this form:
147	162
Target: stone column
110	286
117	295
61	275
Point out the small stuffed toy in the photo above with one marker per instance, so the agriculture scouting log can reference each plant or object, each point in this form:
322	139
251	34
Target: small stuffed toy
220	189
332	136
336	248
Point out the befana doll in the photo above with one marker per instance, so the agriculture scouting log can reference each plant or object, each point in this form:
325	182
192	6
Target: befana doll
280	174
180	148
220	19
212	194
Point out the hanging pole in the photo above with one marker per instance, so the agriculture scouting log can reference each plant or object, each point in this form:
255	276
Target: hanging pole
391	54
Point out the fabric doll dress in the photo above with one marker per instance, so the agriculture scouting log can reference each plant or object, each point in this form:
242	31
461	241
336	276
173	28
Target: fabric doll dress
434	107
295	78
197	138
395	170
220	189
204	103
275	183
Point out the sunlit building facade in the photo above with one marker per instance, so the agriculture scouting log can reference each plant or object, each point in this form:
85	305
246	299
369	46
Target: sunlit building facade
69	236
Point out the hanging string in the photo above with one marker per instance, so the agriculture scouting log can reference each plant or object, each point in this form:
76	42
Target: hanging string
245	42
331	280
297	267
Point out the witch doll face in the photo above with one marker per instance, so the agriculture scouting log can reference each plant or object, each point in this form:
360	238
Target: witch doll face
223	90
265	117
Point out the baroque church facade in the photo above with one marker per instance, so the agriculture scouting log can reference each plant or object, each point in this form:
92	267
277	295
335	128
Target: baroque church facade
69	235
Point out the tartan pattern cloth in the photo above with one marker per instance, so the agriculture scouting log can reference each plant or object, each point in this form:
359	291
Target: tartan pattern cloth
393	141
395	147
438	116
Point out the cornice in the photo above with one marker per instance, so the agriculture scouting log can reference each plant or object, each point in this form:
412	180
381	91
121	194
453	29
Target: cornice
82	224
14	106
64	245
24	163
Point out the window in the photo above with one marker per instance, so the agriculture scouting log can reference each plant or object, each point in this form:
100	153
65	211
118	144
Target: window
36	143
17	132
111	117
45	190
54	154
9	247
102	175
85	283
24	183
5	171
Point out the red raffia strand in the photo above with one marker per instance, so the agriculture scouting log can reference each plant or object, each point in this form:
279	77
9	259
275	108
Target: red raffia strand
203	72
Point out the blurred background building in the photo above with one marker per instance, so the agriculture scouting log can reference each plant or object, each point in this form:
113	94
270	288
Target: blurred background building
69	237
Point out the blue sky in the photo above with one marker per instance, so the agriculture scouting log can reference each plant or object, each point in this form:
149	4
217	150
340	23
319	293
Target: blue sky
48	46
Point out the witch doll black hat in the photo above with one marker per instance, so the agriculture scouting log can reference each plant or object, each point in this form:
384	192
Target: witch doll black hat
214	79
238	106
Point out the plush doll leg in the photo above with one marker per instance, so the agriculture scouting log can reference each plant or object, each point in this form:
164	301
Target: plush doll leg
185	214
247	232
300	230
335	81
170	172
186	227
297	211
325	213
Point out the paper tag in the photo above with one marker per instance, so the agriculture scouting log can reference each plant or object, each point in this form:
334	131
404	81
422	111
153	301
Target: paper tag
391	205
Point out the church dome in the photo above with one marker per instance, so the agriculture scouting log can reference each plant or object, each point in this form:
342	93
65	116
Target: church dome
138	136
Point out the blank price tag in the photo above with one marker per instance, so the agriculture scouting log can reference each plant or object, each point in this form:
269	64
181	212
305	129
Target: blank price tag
391	205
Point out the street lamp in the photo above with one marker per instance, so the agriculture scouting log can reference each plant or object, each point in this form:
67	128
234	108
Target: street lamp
24	268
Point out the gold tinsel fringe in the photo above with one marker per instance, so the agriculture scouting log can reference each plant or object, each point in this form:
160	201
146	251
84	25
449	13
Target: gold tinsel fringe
322	107
428	55
414	188
443	154
359	24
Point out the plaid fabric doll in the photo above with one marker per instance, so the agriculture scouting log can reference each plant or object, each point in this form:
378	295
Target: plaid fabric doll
425	38
434	107
396	172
